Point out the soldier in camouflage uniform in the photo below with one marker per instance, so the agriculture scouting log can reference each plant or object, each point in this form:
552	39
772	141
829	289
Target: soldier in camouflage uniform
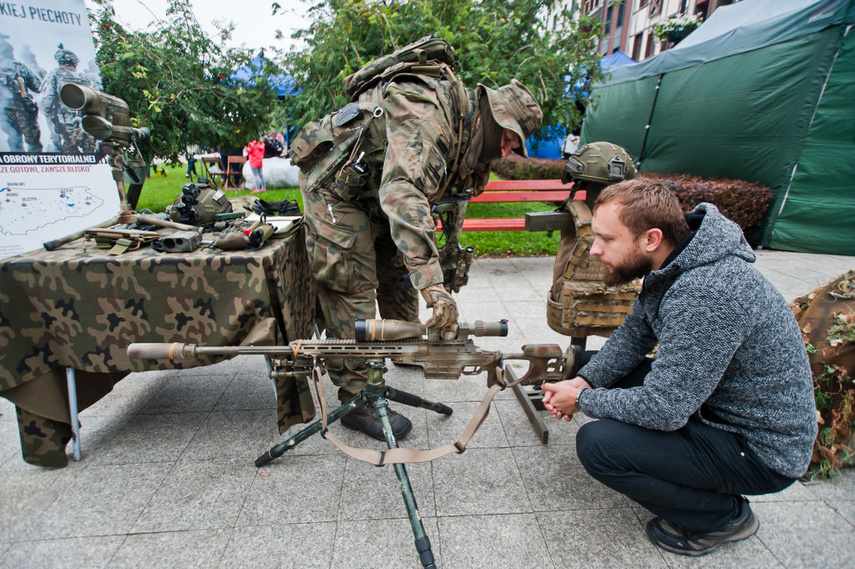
66	130
22	114
370	228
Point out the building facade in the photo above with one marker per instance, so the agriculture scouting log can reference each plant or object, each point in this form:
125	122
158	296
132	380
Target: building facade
629	24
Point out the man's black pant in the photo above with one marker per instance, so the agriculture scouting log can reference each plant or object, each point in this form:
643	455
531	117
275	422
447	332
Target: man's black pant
694	476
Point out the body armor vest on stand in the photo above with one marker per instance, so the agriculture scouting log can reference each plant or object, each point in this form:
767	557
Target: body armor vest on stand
579	303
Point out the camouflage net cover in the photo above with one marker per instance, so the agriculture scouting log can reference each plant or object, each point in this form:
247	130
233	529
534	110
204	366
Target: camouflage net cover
826	318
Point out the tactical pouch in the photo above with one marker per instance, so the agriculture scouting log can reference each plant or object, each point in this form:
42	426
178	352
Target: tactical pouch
310	145
232	240
579	303
590	309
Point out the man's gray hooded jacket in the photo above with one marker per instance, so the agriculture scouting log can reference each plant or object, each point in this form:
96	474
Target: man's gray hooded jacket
730	352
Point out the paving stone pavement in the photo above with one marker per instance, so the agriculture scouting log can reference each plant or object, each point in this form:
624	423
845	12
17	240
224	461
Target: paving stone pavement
167	477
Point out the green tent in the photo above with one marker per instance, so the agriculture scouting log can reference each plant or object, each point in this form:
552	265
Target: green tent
764	91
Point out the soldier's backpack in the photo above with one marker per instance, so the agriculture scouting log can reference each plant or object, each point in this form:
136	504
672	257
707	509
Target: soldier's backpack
198	203
408	58
319	149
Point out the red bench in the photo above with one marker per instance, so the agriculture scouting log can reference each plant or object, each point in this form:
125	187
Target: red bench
508	191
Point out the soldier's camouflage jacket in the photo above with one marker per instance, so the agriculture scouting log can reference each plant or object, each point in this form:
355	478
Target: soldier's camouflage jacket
399	142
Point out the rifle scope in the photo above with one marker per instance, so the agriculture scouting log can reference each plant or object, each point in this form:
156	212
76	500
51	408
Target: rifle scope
388	330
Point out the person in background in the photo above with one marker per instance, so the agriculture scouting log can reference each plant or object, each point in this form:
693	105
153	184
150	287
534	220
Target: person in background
272	147
192	151
254	153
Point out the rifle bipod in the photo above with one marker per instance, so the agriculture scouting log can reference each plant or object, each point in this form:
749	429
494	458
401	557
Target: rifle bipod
378	392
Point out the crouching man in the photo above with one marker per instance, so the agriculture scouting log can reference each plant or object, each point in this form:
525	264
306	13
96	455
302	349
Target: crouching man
726	408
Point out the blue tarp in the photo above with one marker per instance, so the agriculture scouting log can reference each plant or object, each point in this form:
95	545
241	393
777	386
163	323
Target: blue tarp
615	60
550	148
285	84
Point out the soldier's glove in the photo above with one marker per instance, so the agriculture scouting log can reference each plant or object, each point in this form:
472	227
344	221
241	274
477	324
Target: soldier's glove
444	307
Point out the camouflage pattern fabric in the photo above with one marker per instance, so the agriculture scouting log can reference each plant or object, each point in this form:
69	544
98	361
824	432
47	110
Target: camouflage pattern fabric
79	307
367	231
43	440
826	317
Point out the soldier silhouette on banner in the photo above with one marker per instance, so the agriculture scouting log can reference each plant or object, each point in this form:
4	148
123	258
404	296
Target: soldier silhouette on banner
67	132
21	120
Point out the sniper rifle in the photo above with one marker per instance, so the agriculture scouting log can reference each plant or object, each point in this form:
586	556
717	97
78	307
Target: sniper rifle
446	353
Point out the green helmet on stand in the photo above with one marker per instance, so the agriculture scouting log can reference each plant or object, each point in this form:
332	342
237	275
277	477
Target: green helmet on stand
599	162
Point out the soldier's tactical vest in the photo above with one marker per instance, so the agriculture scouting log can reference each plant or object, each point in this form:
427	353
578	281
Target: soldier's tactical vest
579	303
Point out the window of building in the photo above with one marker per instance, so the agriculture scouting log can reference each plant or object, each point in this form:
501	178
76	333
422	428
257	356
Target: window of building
636	46
648	51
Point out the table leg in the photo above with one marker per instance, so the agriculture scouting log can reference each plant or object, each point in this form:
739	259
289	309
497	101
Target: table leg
72	410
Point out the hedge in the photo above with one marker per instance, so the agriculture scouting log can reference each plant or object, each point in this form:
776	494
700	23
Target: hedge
744	202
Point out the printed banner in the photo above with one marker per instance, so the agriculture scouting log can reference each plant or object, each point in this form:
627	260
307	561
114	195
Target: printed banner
52	181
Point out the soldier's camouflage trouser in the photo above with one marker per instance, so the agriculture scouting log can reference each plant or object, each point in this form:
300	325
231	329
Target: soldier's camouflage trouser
22	121
354	263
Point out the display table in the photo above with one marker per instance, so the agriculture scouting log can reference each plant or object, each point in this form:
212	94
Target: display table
79	307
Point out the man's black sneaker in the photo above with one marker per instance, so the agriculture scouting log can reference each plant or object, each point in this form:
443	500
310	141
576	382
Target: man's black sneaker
677	539
365	419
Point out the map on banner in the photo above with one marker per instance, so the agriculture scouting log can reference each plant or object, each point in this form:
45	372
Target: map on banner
27	210
48	196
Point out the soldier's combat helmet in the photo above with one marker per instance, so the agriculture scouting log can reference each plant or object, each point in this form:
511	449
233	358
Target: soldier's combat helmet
599	162
514	108
64	56
198	203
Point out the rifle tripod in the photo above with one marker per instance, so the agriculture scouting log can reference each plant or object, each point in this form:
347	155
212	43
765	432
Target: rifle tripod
378	392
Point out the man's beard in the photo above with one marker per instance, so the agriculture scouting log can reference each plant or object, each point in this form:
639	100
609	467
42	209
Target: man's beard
635	267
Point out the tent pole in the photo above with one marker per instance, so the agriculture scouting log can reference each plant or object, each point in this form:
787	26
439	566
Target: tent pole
649	121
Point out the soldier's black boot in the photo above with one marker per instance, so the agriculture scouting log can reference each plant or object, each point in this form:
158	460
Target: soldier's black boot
365	419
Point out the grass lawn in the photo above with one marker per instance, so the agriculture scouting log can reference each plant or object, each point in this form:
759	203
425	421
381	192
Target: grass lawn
164	186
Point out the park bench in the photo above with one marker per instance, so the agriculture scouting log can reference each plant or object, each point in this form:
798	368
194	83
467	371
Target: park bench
509	191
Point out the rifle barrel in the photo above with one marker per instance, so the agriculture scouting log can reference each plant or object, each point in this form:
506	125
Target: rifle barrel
178	351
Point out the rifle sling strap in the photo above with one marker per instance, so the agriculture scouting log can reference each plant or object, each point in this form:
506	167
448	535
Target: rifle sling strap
410	455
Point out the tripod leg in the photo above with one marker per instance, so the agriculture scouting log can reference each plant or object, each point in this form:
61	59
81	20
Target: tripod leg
422	541
416	401
315	427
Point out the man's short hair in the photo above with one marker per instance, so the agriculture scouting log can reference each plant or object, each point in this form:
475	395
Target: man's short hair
645	205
